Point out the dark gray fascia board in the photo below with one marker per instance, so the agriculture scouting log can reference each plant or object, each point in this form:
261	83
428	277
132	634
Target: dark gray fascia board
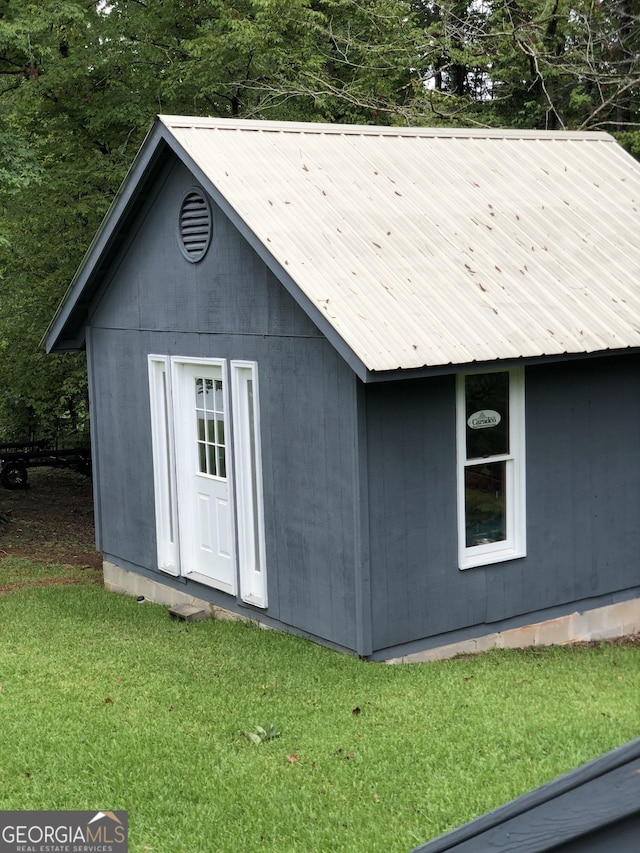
486	366
66	331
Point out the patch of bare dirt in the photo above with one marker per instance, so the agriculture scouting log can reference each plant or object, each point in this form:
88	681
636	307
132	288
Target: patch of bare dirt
43	582
51	520
628	640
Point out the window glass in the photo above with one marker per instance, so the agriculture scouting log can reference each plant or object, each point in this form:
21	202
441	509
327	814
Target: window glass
485	503
211	434
219	400
491	467
487	414
210	426
213	468
208	383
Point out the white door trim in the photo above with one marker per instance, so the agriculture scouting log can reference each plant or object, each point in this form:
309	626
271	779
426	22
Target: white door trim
248	482
164	481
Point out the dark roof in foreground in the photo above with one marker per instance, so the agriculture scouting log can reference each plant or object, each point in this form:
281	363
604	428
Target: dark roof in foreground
593	808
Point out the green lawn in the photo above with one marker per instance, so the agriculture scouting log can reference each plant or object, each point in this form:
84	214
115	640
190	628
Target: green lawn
108	704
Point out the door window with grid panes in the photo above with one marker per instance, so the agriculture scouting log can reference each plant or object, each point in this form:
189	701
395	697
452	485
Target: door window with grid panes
209	406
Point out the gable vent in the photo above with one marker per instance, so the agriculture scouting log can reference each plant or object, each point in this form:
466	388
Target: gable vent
194	225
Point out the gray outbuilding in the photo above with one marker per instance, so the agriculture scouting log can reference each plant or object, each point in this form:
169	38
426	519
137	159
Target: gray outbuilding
378	386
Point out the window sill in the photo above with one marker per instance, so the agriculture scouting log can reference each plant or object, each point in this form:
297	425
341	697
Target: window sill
489	557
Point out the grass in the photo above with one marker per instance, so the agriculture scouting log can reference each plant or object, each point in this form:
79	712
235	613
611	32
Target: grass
18	572
108	704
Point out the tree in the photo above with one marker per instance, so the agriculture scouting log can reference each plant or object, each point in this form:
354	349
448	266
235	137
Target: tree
550	64
80	83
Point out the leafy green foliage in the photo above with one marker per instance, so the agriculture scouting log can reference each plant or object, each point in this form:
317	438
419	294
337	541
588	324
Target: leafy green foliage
80	84
79	87
532	63
260	735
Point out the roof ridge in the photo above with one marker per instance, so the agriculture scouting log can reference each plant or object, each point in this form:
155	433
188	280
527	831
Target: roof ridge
319	128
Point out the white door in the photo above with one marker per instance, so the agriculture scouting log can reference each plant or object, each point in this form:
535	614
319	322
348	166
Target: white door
209	512
203	474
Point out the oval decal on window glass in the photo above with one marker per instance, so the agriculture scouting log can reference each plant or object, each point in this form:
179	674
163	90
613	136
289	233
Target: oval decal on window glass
482	420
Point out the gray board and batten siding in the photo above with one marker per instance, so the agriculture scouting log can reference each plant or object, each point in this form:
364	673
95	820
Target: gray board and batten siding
228	306
583	494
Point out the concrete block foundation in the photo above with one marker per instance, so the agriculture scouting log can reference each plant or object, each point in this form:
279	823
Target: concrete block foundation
602	623
117	579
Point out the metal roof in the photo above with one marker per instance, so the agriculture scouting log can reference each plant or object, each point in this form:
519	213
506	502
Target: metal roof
431	247
420	248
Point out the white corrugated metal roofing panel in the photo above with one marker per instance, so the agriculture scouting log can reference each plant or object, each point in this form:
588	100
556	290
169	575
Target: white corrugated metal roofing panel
431	247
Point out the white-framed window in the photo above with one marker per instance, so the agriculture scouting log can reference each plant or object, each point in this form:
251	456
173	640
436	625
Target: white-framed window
491	467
